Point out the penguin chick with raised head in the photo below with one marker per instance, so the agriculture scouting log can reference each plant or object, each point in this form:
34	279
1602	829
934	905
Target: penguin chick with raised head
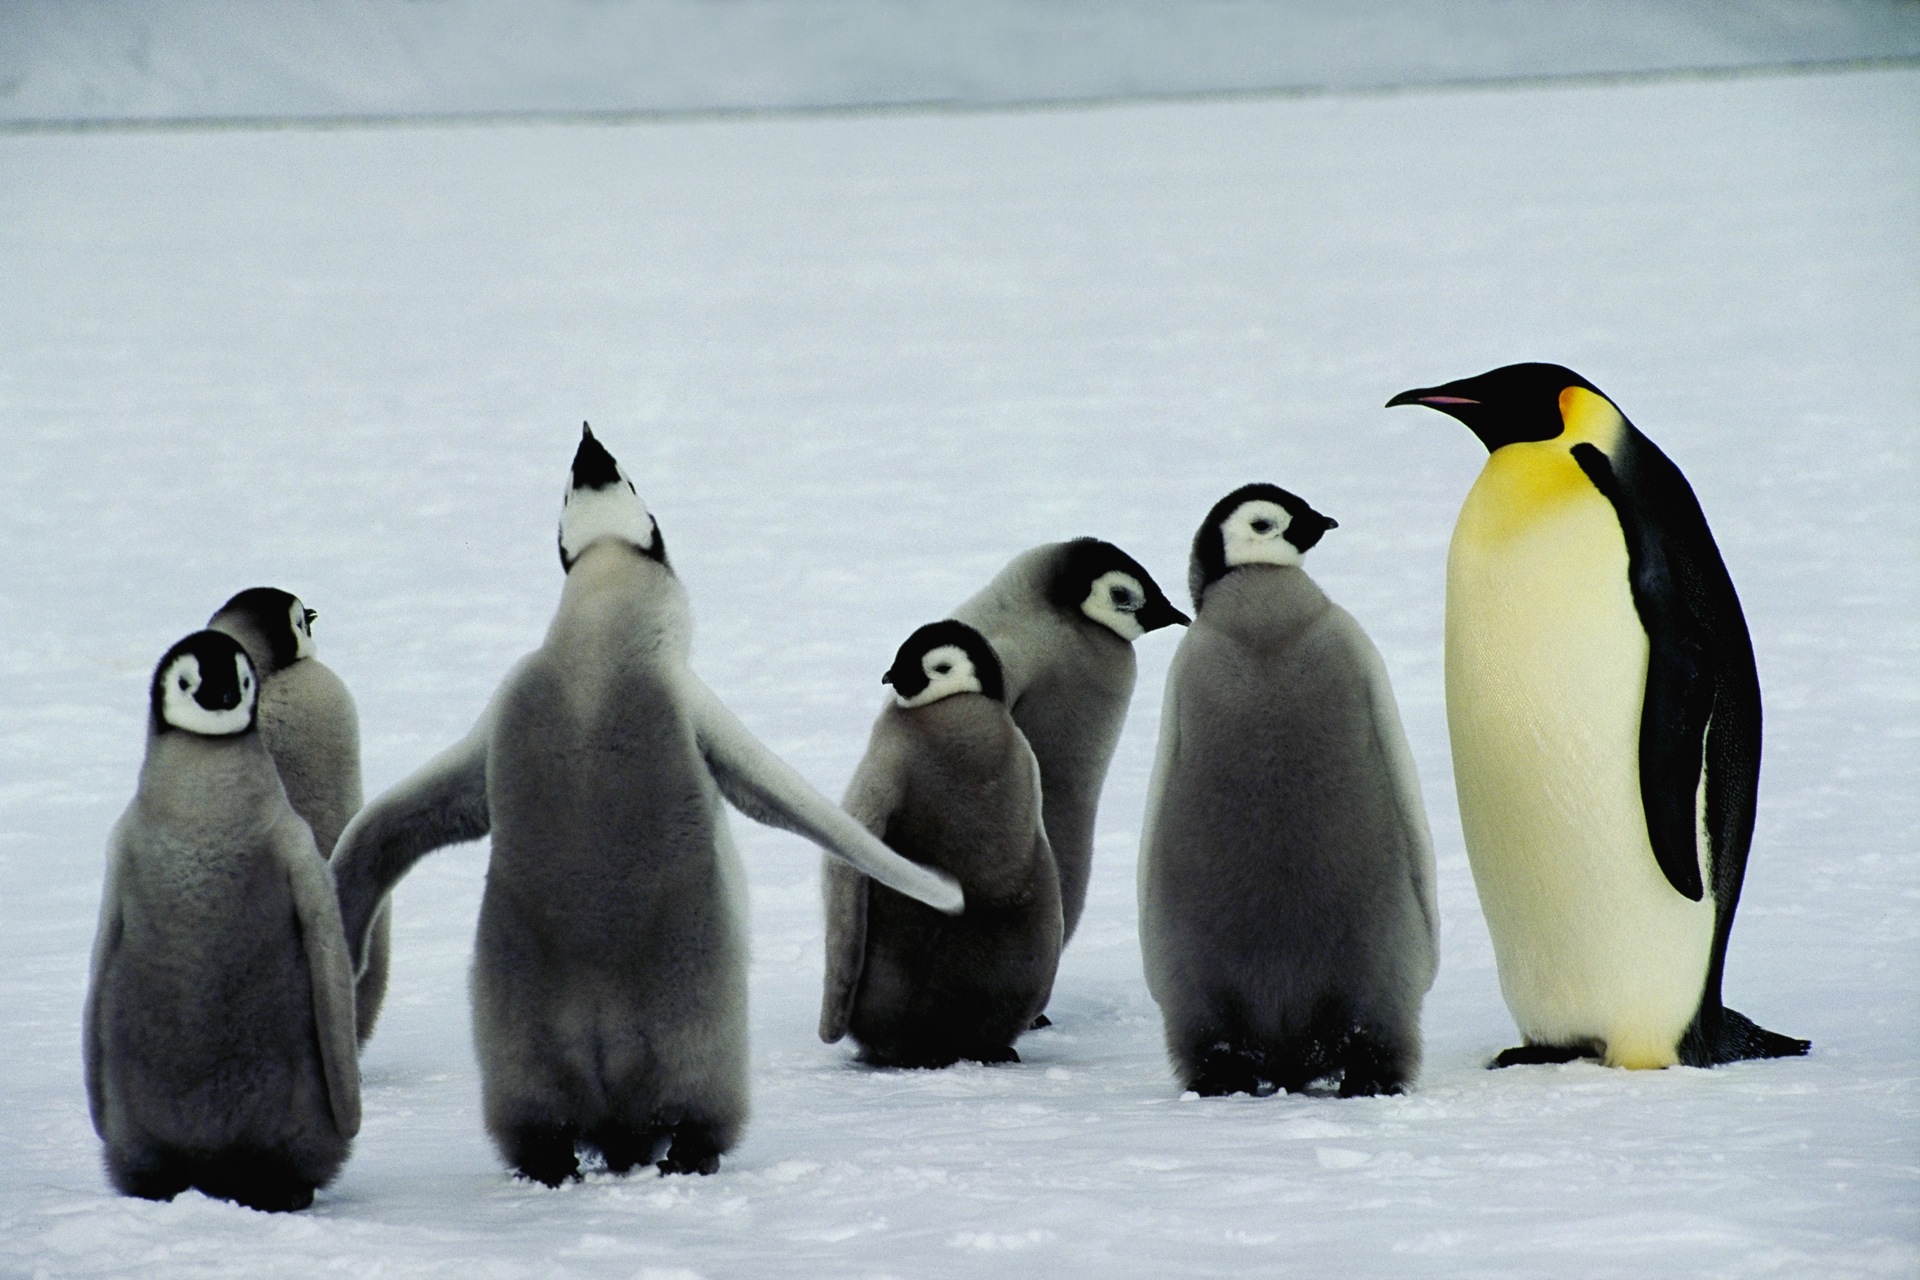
1604	709
949	782
1063	618
1287	916
219	1033
610	966
308	721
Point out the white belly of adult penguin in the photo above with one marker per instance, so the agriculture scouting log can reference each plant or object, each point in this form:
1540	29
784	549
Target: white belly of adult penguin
610	966
308	721
1287	920
1605	715
1063	618
218	1034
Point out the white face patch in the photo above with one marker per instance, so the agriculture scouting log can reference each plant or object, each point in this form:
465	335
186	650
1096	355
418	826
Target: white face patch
1113	600
1256	534
179	709
949	671
587	515
302	630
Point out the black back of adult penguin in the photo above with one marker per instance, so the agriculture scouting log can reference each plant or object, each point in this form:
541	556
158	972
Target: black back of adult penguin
1700	705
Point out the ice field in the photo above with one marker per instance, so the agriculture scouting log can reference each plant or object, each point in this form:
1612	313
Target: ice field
854	364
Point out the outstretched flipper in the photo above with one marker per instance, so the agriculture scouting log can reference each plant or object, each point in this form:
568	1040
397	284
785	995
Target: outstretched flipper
444	803
771	792
106	941
321	938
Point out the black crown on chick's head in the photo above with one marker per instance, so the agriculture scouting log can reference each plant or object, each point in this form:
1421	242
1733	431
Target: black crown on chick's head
909	675
1208	563
278	619
205	685
1513	404
1083	562
602	502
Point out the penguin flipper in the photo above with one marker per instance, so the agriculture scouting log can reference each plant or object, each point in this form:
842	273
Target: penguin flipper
1679	696
845	891
771	792
328	969
106	943
1390	737
443	803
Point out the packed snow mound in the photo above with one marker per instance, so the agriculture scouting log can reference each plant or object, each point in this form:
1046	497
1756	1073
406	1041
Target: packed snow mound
205	59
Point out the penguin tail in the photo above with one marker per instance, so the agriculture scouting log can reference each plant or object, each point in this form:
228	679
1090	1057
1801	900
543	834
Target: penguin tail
1725	1035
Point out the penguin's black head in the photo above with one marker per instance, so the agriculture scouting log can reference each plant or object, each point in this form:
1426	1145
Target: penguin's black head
205	685
602	503
1509	405
275	627
1098	580
942	659
1255	524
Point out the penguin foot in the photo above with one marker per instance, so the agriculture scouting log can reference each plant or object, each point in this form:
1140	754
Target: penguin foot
161	1181
543	1153
1223	1070
1531	1055
258	1180
623	1148
1368	1067
998	1057
694	1150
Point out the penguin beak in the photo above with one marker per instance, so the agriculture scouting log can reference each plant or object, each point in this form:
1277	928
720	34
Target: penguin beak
1432	397
1160	613
887	678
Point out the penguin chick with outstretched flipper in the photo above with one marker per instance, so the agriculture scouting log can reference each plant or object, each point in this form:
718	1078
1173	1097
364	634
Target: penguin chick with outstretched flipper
1604	709
610	966
949	782
308	721
219	1034
1062	619
1287	918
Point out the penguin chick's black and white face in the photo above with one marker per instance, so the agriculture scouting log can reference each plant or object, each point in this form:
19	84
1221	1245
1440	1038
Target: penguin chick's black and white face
205	685
602	503
1255	524
1104	583
942	659
276	617
1509	405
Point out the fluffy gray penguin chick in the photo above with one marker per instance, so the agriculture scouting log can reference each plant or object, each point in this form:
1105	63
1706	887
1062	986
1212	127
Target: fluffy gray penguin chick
1287	917
218	1032
610	967
1063	618
312	731
949	781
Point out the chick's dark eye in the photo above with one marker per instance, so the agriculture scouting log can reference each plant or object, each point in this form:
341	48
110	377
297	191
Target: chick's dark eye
942	668
1263	526
183	684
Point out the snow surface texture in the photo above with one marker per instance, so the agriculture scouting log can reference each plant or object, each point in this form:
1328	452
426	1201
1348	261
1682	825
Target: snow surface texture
105	59
854	365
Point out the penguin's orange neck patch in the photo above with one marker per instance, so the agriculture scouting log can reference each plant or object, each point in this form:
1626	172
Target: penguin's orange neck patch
1534	479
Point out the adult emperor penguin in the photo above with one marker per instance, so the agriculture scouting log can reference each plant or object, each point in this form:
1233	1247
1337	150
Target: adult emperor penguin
1287	916
610	973
308	721
1605	715
218	1032
949	781
1063	618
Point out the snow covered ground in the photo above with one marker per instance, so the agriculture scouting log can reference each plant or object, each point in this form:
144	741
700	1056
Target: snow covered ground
198	59
855	364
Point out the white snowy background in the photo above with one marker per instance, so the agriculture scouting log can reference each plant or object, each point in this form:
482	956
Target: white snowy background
857	361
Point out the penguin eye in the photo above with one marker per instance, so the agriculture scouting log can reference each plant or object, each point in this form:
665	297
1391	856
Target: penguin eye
183	684
1263	526
942	668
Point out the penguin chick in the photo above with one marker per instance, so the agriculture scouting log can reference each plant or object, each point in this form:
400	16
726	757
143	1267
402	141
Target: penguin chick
312	731
219	1032
610	972
1287	916
949	782
1063	618
1604	709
